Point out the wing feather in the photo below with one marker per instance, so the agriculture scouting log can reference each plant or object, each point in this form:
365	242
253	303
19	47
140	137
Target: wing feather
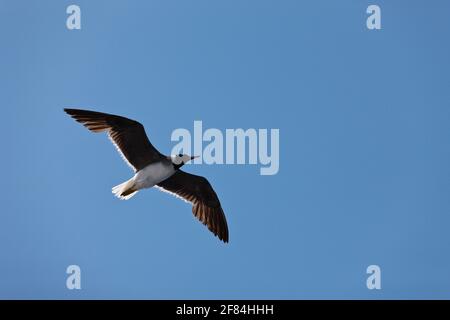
128	136
206	206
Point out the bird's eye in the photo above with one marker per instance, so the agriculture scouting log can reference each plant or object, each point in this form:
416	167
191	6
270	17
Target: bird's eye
180	155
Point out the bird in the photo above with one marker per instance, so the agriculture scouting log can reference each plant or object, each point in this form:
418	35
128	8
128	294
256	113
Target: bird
153	169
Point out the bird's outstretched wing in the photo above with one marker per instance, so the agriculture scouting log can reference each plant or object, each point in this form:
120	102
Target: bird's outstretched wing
205	203
127	135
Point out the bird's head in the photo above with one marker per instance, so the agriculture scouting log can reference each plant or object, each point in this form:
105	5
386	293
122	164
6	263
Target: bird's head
181	159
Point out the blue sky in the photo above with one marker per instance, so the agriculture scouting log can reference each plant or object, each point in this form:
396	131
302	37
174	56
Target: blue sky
364	148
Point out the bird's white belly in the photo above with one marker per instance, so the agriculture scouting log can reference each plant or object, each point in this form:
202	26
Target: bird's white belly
152	174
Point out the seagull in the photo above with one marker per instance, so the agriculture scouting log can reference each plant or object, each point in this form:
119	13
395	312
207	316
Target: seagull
153	169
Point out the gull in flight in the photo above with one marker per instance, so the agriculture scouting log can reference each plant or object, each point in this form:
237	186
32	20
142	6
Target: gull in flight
153	169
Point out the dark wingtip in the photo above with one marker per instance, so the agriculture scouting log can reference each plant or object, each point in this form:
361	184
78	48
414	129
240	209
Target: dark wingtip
71	111
223	235
225	238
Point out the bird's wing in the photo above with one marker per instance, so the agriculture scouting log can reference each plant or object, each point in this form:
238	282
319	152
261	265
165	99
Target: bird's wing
127	135
205	203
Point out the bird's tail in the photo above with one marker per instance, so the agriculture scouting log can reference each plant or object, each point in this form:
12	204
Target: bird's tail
125	190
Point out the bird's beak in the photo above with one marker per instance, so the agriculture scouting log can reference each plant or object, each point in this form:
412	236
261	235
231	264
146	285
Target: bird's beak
193	157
